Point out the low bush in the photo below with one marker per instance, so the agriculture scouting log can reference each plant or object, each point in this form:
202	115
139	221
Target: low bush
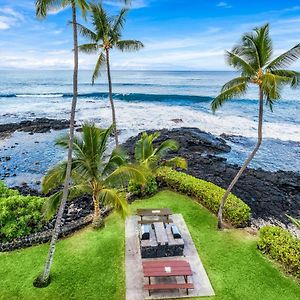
6	192
19	215
208	194
138	190
282	246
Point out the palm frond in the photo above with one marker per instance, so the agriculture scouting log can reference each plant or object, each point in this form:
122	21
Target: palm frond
100	62
44	6
295	221
116	199
240	64
84	7
89	48
272	85
129	45
118	22
121	176
264	44
293	75
285	60
117	159
87	33
234	82
165	147
235	91
51	205
54	177
176	162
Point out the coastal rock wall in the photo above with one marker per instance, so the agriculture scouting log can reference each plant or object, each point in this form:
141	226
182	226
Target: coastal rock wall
45	236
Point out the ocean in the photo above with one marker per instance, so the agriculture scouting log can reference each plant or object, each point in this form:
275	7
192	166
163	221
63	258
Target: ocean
144	100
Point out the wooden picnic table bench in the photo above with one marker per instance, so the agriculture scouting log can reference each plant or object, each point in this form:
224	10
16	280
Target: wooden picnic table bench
167	268
154	215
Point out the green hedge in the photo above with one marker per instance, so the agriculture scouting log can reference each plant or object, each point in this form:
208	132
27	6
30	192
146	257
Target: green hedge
282	246
208	194
19	215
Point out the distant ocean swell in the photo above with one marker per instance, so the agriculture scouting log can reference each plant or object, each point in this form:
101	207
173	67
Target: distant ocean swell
119	96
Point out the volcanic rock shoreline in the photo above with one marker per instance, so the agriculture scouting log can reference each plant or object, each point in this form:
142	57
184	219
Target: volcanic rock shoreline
270	195
38	125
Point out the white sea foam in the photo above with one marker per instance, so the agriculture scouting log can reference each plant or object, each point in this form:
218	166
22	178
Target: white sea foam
39	95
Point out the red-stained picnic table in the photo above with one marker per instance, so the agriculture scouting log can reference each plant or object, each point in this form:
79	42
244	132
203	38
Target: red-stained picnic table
167	268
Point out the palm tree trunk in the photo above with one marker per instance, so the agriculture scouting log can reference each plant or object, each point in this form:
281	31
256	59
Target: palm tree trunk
247	161
57	228
97	219
111	98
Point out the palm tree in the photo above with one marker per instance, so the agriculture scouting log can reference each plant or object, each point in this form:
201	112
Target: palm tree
106	35
42	8
91	174
150	159
253	58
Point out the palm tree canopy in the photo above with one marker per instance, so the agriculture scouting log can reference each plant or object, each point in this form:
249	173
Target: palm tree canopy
91	172
105	34
44	6
149	157
253	58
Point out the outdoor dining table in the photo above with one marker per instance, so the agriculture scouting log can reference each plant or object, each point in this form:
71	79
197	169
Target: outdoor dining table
167	268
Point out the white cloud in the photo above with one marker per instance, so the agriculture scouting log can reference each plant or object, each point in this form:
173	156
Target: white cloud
224	5
9	17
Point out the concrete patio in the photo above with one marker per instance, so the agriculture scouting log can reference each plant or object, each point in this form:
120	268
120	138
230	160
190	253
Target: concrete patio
133	266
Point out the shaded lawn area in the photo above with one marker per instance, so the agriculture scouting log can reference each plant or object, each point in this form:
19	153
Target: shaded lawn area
90	264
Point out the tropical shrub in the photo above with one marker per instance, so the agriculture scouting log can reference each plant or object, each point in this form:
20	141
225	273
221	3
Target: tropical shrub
150	159
6	192
139	190
19	216
282	246
208	194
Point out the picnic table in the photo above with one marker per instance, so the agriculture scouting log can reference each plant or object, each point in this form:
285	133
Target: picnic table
159	214
167	268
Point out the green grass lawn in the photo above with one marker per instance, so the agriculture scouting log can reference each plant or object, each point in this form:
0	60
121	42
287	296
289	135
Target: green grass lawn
90	264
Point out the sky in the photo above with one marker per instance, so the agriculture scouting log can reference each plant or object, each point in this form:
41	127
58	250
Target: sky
177	34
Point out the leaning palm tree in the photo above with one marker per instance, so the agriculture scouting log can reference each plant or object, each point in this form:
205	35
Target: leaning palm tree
253	58
42	9
106	35
92	174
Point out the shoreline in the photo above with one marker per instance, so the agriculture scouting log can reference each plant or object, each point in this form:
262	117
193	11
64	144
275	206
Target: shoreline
270	195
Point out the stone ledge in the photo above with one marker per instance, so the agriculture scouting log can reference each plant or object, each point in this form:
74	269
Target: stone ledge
45	236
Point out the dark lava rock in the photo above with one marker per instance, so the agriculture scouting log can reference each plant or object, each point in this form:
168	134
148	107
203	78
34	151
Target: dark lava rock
271	195
39	125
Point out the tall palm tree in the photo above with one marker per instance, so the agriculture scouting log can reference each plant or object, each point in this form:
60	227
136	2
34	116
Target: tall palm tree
253	58
106	35
91	173
42	8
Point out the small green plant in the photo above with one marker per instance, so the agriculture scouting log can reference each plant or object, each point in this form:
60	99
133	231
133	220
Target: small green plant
236	211
295	221
138	190
150	159
19	216
282	246
6	192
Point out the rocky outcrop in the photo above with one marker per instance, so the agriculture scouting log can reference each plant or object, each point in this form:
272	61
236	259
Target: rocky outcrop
271	195
39	125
